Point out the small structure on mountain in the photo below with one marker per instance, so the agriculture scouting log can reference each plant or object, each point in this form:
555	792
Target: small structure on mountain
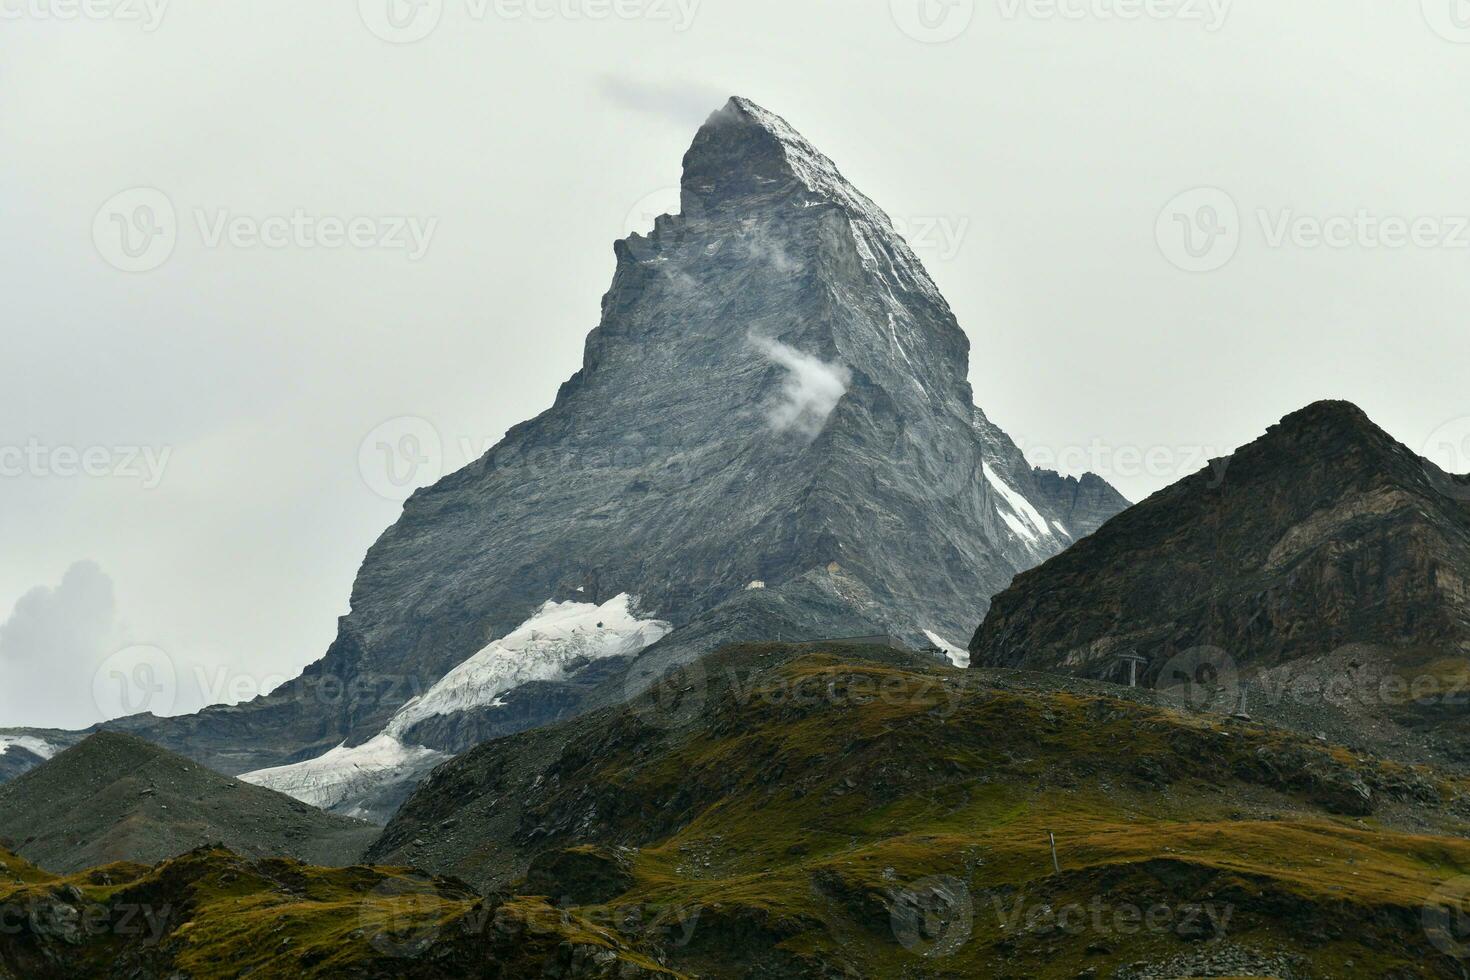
1134	661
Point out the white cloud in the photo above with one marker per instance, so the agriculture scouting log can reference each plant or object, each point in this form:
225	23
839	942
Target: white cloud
682	103
812	389
50	647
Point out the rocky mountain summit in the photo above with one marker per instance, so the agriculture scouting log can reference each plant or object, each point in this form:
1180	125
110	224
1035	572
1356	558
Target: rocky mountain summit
774	412
1324	562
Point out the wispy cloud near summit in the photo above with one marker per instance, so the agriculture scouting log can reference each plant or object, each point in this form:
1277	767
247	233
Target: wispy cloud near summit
812	390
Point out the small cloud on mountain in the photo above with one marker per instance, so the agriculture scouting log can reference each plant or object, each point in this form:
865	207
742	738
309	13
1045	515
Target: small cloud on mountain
811	392
680	103
764	248
50	646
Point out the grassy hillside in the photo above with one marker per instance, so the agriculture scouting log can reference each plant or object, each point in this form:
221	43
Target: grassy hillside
790	812
117	797
211	913
812	814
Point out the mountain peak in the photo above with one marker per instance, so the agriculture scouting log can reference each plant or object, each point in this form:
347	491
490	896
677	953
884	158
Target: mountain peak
1338	434
1325	531
1333	414
744	152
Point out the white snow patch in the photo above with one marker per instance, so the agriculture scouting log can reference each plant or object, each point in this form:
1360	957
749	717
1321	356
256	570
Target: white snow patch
956	655
1019	504
345	774
1058	526
540	649
757	584
1014	523
36	746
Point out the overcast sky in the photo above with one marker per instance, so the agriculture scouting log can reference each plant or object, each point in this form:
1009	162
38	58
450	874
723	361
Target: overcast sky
226	395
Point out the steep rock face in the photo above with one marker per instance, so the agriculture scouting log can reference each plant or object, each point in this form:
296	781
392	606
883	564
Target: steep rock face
1084	504
776	387
1323	533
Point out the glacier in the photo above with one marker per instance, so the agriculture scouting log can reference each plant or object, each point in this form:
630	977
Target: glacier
559	638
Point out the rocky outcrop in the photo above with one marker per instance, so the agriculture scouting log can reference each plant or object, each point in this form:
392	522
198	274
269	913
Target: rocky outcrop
1325	532
1084	504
